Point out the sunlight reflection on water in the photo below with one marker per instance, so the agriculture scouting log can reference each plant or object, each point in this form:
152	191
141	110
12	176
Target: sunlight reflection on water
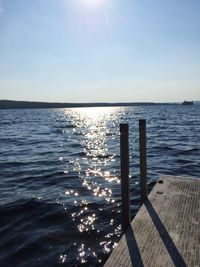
94	127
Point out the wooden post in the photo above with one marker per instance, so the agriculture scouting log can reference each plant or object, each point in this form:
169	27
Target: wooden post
143	160
124	151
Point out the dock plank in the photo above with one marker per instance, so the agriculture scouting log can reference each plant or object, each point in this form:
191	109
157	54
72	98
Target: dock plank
165	231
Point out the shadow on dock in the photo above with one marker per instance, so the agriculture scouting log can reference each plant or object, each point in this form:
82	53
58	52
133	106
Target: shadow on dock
164	235
134	252
133	249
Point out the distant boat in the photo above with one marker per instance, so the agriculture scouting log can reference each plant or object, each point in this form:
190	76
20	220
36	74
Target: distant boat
187	102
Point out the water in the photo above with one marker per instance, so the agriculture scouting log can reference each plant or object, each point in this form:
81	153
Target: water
60	186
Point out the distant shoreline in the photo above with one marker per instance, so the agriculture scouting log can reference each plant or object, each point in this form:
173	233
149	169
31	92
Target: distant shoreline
12	104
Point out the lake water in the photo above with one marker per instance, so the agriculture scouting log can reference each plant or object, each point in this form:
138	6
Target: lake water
59	177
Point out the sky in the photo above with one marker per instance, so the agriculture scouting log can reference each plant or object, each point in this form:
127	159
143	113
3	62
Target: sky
100	50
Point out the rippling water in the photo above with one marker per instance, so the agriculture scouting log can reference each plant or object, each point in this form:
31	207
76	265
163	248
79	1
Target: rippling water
60	186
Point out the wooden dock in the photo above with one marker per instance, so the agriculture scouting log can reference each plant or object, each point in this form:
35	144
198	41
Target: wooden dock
165	231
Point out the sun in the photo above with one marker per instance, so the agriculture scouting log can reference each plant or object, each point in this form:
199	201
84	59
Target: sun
92	3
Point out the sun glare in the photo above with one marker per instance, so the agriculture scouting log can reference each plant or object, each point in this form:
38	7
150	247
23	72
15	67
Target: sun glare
92	3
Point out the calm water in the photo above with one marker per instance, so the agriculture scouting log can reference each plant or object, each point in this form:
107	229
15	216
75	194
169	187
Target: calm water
59	177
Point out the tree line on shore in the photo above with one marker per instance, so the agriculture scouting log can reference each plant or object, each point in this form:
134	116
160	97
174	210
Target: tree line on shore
12	104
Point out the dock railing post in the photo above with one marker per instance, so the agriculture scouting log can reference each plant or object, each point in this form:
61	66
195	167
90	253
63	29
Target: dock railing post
124	152
143	159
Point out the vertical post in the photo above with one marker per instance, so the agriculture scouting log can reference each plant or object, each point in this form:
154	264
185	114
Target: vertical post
124	151
143	160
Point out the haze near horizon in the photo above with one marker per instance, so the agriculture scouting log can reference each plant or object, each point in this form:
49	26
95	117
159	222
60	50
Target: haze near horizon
100	50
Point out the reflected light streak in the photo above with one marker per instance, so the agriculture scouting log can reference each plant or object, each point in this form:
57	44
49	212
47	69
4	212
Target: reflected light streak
93	130
90	133
94	114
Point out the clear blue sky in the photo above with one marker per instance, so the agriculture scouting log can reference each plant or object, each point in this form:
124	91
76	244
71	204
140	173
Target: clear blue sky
100	50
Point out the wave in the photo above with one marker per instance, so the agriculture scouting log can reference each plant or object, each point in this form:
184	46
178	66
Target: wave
55	201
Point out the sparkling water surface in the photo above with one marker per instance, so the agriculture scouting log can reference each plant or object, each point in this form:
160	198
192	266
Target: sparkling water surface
60	177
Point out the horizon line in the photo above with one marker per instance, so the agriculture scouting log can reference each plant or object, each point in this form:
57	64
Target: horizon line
98	102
